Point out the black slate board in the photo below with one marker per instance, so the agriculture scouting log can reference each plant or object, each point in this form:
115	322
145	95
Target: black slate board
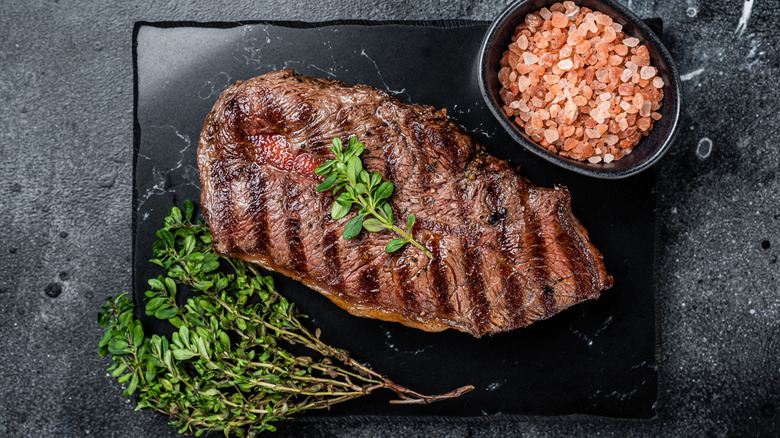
597	358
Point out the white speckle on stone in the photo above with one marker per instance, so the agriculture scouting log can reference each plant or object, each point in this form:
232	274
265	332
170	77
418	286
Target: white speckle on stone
752	311
691	75
495	385
747	8
704	149
691	12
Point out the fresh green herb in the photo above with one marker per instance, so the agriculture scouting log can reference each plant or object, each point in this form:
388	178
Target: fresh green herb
355	186
227	366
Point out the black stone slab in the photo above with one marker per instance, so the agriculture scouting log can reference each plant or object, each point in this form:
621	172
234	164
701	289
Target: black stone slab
597	358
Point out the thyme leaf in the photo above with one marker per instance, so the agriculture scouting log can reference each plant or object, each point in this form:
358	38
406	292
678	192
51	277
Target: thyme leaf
354	186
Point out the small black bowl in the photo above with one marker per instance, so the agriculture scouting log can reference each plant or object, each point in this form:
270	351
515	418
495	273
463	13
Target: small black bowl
650	148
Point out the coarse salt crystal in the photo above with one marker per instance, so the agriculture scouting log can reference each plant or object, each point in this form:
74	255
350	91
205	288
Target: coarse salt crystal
611	139
603	19
658	82
632	66
530	58
522	42
644	123
625	105
647	72
565	65
523	82
644	110
522	106
631	42
594	160
551	135
608	158
574	38
579	100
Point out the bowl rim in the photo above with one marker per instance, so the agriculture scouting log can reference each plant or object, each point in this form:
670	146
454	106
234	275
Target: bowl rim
569	164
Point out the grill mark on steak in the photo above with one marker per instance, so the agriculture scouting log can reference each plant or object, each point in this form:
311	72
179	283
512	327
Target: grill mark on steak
258	213
505	251
440	285
475	284
389	155
332	260
566	247
513	289
548	300
538	255
406	289
514	295
224	238
542	274
369	284
582	272
297	255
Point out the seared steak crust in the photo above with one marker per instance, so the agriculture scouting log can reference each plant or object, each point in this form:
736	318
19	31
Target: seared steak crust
506	253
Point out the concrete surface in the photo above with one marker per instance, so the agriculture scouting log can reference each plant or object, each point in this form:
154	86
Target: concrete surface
66	146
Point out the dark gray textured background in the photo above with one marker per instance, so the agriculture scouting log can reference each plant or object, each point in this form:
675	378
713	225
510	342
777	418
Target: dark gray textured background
65	193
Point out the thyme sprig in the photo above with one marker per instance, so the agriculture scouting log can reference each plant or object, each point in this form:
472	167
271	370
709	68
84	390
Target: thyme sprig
355	186
227	366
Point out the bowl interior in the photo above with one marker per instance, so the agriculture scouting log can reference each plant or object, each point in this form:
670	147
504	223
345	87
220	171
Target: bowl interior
650	148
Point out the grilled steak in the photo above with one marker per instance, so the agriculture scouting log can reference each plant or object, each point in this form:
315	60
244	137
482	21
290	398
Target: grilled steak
506	253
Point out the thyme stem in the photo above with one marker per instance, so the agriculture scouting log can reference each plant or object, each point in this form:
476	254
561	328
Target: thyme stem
226	367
